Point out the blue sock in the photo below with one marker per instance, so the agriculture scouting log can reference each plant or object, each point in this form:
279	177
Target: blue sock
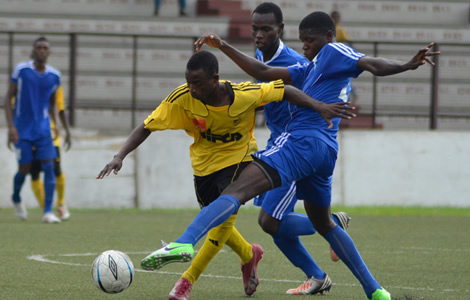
49	184
295	224
287	240
209	217
18	181
294	250
344	247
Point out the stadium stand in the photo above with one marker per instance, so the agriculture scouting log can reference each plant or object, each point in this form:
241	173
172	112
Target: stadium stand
106	31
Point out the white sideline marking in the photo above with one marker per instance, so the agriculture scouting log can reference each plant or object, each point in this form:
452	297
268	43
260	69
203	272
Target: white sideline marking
42	258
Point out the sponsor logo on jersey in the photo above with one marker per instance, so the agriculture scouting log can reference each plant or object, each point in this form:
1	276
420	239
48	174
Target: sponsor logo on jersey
201	124
224	138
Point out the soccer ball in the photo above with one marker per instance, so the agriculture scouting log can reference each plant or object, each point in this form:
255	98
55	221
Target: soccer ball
112	271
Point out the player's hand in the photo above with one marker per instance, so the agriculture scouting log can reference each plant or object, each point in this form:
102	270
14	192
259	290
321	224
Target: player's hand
211	39
422	57
12	137
336	110
114	165
67	141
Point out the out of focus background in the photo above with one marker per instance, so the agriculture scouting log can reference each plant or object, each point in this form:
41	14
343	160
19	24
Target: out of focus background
119	60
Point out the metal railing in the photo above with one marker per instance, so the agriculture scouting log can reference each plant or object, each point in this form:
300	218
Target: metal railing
433	111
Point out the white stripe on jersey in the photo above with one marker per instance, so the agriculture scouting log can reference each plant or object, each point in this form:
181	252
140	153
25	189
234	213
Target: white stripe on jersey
278	143
343	95
346	51
53	71
18	97
284	203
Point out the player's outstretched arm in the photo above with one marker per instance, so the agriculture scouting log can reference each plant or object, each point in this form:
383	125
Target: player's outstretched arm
327	111
250	65
384	67
136	138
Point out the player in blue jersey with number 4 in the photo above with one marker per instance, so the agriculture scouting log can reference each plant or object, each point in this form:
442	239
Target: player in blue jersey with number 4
306	152
33	84
277	216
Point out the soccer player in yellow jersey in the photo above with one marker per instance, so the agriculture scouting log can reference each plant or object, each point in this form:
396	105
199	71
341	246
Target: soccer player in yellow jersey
36	182
220	116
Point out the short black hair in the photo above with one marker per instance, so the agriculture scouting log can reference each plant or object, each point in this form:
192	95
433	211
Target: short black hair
203	60
39	39
318	22
267	8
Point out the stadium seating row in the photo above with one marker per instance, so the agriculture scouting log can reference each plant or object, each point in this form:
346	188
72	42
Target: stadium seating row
104	58
451	12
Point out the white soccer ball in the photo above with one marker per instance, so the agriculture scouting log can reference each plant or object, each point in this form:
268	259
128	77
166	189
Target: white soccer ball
112	271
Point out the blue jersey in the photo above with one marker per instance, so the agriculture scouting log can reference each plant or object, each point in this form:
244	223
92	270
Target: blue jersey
328	79
278	114
31	111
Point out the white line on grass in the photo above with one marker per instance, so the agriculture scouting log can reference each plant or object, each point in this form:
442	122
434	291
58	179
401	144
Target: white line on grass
42	258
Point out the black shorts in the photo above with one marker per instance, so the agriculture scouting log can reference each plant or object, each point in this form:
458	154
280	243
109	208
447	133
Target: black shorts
208	188
36	166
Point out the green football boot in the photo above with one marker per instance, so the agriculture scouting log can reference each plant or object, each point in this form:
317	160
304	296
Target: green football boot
170	253
381	294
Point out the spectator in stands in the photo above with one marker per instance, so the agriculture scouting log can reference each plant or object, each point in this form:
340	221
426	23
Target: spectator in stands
34	85
341	33
181	3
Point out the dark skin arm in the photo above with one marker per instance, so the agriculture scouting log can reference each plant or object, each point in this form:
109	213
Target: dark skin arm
138	135
250	65
262	72
327	111
65	124
384	67
12	132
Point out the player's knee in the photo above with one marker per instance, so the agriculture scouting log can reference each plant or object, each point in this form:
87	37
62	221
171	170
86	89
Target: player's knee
24	169
269	225
323	227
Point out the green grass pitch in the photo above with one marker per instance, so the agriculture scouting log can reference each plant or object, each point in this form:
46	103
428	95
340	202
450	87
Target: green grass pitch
415	253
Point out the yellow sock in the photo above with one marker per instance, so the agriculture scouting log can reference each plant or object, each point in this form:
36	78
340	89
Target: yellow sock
240	246
60	189
38	191
214	241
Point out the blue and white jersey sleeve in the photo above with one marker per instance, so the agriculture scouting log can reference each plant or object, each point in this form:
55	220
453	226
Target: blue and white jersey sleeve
345	60
16	72
298	74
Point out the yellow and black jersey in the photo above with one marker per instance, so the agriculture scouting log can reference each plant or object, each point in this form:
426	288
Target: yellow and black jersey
223	135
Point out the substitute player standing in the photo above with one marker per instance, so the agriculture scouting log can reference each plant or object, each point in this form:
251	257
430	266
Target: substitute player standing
33	84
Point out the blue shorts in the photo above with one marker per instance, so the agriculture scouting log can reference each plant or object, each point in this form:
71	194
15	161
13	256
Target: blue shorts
40	149
305	159
279	201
